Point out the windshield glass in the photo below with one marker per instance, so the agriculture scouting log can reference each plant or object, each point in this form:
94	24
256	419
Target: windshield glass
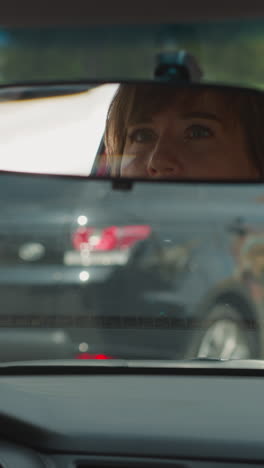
163	271
97	269
228	51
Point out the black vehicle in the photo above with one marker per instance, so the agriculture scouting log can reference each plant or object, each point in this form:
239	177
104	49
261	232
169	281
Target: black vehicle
113	274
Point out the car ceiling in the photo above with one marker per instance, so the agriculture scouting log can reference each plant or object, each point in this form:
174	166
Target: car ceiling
42	13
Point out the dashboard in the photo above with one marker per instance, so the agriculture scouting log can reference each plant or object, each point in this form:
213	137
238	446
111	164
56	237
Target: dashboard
123	419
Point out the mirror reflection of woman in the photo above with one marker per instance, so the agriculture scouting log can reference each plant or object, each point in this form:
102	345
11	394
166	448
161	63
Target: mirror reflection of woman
159	131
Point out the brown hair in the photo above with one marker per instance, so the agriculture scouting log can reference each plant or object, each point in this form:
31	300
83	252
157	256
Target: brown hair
135	102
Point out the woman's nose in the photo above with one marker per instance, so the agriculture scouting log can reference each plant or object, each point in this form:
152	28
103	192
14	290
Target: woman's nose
165	160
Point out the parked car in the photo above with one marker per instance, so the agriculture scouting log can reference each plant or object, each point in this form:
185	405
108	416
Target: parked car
79	259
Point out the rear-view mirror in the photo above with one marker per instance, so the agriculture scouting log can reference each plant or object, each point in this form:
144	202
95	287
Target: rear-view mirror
136	130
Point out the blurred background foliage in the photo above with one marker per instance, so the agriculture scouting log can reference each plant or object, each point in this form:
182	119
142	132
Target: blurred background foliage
229	52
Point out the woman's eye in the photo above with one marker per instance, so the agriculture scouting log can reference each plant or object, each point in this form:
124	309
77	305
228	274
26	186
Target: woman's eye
142	135
198	131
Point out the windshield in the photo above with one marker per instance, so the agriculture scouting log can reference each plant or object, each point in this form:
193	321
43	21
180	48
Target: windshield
164	268
228	51
163	271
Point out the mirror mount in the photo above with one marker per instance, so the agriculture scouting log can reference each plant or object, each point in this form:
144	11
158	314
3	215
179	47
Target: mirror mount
177	66
122	184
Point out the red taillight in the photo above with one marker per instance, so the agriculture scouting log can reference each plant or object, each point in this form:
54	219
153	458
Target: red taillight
81	237
92	356
110	238
132	234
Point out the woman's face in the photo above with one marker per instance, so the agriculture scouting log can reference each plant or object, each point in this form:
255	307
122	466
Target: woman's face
199	139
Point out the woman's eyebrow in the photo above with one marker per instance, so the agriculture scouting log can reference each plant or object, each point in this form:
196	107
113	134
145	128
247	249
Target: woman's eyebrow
202	115
141	121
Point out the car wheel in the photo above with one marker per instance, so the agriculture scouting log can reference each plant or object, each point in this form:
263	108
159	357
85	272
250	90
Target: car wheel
224	335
